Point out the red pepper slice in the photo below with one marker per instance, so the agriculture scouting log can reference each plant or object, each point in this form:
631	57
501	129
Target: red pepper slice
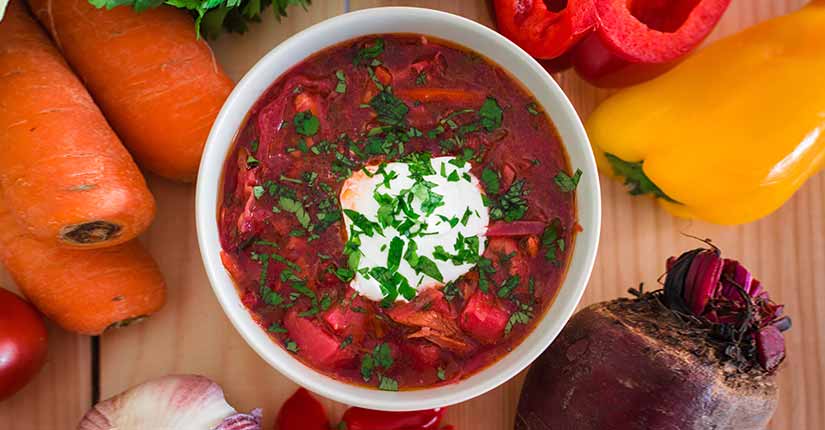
367	419
546	29
637	40
302	411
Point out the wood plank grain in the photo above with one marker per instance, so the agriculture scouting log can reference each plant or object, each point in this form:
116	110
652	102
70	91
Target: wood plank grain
192	335
61	393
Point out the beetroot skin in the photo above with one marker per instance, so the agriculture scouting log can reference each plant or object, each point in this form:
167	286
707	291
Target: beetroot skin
699	354
628	365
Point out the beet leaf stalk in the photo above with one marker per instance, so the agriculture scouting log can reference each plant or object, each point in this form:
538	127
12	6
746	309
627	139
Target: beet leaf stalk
724	295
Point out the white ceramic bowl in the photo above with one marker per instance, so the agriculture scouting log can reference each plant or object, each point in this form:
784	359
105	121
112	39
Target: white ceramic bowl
462	32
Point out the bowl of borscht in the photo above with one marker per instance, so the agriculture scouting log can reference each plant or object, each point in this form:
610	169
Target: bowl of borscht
398	209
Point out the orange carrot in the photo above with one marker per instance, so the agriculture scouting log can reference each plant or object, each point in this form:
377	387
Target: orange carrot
63	171
158	85
83	291
441	94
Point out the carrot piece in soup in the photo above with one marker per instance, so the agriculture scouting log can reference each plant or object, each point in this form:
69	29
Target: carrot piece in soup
452	95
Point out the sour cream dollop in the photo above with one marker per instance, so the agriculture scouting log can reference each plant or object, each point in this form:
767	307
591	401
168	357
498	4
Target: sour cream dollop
412	224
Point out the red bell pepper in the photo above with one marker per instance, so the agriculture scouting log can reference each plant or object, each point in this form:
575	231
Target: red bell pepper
610	43
546	29
367	419
302	412
636	41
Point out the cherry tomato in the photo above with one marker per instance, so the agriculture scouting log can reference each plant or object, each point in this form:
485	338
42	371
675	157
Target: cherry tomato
302	412
22	343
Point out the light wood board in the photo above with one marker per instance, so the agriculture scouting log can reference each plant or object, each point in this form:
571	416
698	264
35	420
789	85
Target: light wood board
785	250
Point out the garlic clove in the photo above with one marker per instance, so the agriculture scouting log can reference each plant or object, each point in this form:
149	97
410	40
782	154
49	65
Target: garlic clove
250	421
174	402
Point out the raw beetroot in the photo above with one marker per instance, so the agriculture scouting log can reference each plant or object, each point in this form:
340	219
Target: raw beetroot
701	353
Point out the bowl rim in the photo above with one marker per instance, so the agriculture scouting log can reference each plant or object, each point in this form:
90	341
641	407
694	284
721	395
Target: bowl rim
566	121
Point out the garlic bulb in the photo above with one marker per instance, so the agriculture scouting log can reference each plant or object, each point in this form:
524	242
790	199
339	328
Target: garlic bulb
174	402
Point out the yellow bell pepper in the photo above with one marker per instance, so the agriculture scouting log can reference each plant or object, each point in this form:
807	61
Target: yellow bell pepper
732	132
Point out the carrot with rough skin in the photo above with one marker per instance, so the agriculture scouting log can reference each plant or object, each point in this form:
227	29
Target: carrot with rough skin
158	85
63	171
83	291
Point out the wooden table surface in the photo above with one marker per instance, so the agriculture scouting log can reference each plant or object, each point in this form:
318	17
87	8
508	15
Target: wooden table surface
192	335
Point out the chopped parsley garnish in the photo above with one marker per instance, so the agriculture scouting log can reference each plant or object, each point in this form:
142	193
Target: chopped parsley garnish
532	108
341	87
451	291
363	223
553	241
346	342
291	346
522	316
295	207
390	109
568	183
270	297
512	205
306	124
394	256
492	183
258	191
509	285
251	161
369	52
276	328
485	269
490	114
387	383
441	374
379	358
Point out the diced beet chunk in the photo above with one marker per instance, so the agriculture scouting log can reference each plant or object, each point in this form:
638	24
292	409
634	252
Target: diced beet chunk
344	321
315	345
484	318
424	355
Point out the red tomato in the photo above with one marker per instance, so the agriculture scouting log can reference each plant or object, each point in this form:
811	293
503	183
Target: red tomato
302	412
22	343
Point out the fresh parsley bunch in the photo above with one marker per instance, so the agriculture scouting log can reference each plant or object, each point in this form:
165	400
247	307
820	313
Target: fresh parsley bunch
214	16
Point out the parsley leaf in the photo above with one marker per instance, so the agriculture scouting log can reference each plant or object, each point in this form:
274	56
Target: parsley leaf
306	123
512	205
441	374
276	328
491	180
509	285
363	223
567	183
394	256
341	87
390	109
553	240
387	384
368	52
491	114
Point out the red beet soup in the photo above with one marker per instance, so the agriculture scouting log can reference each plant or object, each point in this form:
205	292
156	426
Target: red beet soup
397	212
